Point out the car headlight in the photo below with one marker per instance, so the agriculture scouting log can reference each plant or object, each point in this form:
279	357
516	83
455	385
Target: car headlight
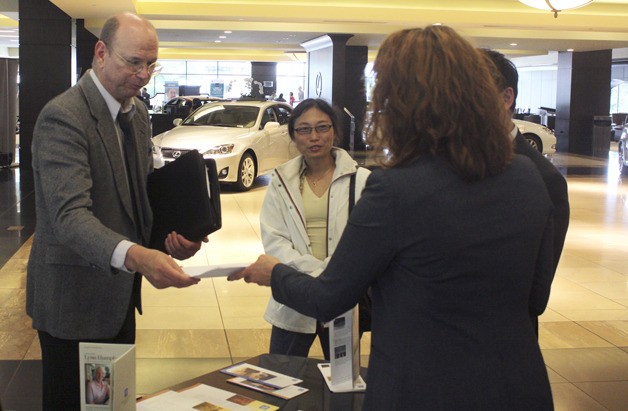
221	149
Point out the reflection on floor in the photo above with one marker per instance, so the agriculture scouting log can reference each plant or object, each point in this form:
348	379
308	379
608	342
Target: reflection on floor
185	333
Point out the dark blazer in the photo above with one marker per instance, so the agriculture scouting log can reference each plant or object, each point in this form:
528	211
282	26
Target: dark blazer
557	190
453	268
83	211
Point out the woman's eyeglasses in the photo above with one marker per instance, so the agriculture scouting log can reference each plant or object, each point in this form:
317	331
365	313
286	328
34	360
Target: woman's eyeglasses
321	128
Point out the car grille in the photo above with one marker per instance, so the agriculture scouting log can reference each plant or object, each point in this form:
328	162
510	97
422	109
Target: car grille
172	153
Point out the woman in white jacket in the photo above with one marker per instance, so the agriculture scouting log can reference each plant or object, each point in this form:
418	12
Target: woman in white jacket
304	214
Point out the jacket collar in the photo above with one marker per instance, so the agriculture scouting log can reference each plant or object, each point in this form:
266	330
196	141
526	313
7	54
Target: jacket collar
344	165
113	105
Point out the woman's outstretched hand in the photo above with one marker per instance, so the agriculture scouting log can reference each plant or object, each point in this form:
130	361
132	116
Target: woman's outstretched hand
259	272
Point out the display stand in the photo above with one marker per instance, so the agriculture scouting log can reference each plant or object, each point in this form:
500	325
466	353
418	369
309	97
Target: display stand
342	374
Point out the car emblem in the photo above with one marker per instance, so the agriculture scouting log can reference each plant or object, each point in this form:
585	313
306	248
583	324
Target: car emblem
176	154
319	84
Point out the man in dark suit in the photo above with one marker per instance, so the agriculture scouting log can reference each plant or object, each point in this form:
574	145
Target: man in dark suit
507	78
93	215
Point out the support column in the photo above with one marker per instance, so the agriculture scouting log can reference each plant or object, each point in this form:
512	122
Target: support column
583	91
336	74
264	72
45	64
8	110
85	43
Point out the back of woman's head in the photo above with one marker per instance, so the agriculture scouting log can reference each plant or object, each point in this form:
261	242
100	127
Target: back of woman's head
310	103
434	96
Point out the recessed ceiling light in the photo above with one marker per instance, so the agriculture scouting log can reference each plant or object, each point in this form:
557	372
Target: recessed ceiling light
222	37
513	44
217	41
437	24
228	32
569	49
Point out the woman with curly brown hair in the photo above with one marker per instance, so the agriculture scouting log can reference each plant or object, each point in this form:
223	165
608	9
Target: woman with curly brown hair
451	236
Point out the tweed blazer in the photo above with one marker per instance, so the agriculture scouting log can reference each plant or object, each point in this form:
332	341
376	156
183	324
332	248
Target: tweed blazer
84	210
453	267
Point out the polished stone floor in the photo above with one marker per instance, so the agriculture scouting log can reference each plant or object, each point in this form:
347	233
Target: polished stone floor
189	332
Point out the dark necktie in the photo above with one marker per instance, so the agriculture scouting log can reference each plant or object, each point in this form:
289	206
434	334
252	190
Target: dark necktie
131	171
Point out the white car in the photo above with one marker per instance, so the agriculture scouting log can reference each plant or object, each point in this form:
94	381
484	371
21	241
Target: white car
539	136
246	138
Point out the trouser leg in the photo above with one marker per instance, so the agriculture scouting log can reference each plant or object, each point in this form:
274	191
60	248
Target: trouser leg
290	343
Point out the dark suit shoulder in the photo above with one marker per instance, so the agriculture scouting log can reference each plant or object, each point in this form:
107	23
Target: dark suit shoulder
548	171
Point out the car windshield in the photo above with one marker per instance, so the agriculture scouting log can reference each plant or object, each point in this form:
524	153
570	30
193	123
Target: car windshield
223	116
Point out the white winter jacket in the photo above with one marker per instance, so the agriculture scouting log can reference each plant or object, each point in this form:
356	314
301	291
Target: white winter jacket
284	233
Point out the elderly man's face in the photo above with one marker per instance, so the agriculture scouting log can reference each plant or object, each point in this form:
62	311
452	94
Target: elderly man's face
134	43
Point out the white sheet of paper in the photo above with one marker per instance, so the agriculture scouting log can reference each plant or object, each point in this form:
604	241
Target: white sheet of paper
208	271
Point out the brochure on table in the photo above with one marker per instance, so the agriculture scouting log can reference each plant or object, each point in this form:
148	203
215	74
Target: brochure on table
285	393
342	374
261	375
116	392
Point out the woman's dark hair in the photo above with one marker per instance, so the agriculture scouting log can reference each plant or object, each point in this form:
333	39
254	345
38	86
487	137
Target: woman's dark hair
307	104
435	96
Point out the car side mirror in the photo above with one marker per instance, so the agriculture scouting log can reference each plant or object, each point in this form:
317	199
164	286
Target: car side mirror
271	125
177	121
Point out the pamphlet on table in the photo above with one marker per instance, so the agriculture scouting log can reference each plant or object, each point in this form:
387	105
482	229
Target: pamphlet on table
261	375
286	393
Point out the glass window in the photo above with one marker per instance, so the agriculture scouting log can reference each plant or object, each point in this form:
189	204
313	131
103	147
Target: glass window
236	86
224	116
173	66
369	80
200	73
291	68
269	115
290	76
283	114
242	68
202	67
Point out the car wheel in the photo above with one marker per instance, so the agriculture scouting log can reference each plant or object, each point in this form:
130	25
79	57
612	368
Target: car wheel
623	169
534	141
246	172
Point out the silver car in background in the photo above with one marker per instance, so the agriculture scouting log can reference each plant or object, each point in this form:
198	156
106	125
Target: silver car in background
246	138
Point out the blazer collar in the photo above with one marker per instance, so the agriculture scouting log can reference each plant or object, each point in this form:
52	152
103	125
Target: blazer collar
113	105
106	129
